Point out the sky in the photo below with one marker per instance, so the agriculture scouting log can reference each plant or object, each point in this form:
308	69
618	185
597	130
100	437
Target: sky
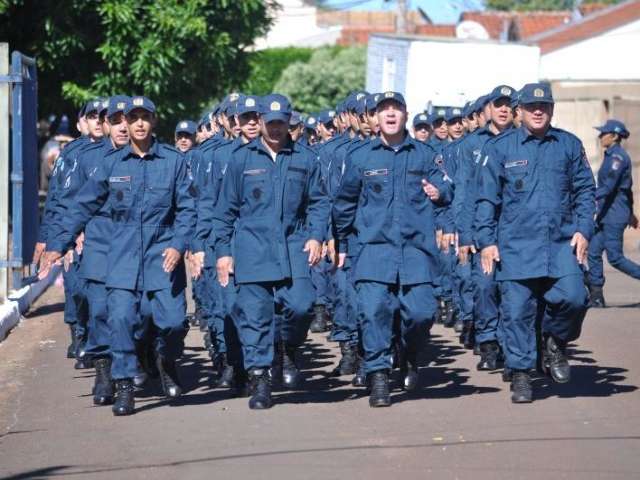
440	11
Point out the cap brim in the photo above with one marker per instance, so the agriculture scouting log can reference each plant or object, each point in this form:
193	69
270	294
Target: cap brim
127	111
276	116
529	101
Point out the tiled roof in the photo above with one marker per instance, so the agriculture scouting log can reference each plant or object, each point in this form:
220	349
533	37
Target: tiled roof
589	26
494	22
538	22
517	25
360	35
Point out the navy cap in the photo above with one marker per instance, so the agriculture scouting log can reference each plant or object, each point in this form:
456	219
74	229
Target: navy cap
501	91
186	126
104	107
340	108
371	102
275	107
296	119
438	113
614	126
536	93
205	120
139	102
311	122
421	119
391	96
452	113
117	104
93	106
63	126
482	101
358	102
326	116
247	104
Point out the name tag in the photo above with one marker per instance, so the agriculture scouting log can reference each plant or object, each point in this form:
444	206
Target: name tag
516	163
255	171
374	173
120	179
299	170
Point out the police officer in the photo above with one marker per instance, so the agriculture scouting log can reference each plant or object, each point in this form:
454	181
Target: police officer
386	195
421	127
535	210
296	126
311	130
147	188
270	223
615	210
185	135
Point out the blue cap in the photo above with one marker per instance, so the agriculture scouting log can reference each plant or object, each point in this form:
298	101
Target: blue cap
452	113
117	104
340	108
275	107
139	102
186	126
92	106
438	113
296	119
501	91
104	107
371	102
311	122
326	116
421	119
536	93
63	126
247	104
614	126
481	102
395	96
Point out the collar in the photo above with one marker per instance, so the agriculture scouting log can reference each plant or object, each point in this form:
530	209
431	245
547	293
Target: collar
154	151
407	142
525	136
258	145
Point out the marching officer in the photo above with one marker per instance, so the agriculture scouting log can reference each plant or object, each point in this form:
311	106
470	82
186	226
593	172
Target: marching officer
185	135
421	127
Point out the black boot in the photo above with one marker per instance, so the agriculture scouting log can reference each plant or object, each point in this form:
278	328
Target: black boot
507	374
555	361
169	377
125	402
145	351
441	314
459	324
290	371
259	389
360	378
379	389
410	376
83	361
240	387
449	317
73	346
103	386
349	361
225	377
488	356
521	387
320	319
596	297
468	336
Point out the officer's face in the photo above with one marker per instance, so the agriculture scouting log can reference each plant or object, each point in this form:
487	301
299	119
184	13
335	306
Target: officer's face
94	126
365	128
455	128
486	111
421	132
472	122
607	139
249	124
372	120
392	117
326	130
140	123
501	113
82	126
440	129
104	124
275	131
312	136
235	128
295	132
536	117
184	141
481	119
118	130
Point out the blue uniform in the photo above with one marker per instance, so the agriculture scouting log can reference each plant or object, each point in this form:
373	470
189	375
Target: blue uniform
533	196
614	196
151	208
268	209
382	200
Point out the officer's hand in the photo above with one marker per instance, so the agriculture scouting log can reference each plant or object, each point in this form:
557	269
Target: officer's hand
447	240
224	267
38	251
331	250
432	192
196	264
80	243
463	253
68	260
342	257
633	221
581	246
438	238
489	255
325	250
315	250
47	262
171	258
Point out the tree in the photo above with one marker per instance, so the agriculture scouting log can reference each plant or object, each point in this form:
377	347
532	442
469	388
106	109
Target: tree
180	53
327	78
266	67
531	5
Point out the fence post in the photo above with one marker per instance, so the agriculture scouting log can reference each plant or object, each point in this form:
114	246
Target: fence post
4	172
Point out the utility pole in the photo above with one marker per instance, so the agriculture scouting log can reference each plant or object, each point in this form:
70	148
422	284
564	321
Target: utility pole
4	171
401	16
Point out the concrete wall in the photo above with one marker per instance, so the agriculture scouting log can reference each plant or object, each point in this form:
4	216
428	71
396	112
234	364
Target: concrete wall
387	64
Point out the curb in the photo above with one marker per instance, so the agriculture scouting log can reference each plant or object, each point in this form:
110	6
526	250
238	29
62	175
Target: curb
19	302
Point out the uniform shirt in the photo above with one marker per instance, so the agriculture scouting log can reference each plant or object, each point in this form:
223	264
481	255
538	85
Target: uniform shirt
152	208
269	209
533	196
381	198
615	187
62	163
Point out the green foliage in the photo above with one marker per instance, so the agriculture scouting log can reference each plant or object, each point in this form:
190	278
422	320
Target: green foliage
180	53
327	78
531	5
266	67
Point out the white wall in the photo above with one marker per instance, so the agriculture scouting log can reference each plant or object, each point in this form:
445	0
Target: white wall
584	60
452	72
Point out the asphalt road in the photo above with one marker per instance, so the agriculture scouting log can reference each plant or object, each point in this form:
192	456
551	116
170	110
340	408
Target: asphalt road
460	425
